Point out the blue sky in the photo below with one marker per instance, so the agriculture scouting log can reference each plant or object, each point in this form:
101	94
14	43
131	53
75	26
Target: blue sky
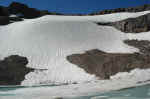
77	6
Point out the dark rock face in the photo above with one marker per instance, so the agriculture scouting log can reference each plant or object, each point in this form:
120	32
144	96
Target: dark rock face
134	25
27	12
21	11
103	65
4	20
24	10
13	70
4	11
15	7
131	25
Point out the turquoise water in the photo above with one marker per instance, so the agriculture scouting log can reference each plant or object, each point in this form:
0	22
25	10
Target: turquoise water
142	92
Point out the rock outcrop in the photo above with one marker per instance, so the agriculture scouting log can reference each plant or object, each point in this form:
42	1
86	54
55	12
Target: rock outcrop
131	25
134	25
13	70
143	45
129	9
104	65
21	11
24	11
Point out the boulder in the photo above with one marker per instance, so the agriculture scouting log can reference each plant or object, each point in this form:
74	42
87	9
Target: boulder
13	70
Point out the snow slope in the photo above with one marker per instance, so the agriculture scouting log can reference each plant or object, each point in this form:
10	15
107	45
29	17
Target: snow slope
47	41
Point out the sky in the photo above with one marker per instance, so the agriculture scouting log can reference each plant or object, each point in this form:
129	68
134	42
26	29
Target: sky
77	6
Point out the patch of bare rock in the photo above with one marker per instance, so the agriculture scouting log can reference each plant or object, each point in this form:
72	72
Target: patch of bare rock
13	70
131	25
104	65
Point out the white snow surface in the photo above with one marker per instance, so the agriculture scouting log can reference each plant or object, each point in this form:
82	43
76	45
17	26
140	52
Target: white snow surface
46	42
117	82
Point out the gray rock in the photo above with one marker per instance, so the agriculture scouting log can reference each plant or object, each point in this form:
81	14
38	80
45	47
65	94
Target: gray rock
104	65
143	45
13	70
132	25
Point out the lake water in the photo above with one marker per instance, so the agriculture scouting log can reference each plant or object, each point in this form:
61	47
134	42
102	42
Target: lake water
141	92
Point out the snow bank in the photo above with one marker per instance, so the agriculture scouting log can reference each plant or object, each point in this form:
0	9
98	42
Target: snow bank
119	81
46	42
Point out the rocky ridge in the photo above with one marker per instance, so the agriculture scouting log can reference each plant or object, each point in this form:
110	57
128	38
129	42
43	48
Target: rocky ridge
131	25
20	11
145	7
24	11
